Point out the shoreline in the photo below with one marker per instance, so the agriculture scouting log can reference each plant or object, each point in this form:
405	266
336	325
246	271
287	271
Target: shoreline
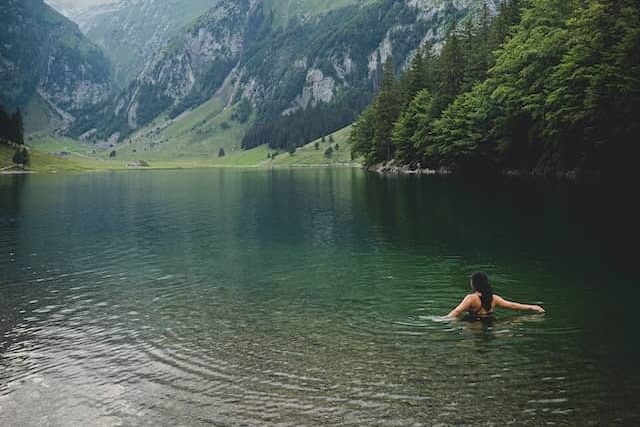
391	168
176	166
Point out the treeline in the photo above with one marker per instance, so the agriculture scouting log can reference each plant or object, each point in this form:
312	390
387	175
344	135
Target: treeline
11	127
545	86
305	125
12	134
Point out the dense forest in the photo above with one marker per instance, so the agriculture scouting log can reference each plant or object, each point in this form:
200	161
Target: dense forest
544	86
11	127
12	135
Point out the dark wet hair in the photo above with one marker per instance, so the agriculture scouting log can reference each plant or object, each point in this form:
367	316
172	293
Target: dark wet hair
480	282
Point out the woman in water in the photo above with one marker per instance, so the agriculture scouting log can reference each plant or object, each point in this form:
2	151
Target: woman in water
483	301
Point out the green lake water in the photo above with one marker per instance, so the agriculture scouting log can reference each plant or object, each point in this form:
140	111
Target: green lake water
311	297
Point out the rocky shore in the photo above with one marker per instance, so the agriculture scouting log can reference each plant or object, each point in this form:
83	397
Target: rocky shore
392	168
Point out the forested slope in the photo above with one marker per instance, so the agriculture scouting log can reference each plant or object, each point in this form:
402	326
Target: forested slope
547	86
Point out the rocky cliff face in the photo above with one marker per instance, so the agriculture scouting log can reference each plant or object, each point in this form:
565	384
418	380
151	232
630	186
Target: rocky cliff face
131	33
195	64
43	54
239	49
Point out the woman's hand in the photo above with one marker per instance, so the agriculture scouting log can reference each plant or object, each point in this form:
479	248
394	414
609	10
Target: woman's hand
537	309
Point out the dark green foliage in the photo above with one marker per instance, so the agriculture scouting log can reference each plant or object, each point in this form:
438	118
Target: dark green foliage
292	150
242	111
303	126
593	103
371	135
412	131
221	152
112	154
328	152
224	125
11	127
548	85
317	145
452	67
21	156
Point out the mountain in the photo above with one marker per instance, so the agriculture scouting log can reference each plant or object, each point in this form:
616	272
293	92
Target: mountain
131	31
295	72
47	66
84	13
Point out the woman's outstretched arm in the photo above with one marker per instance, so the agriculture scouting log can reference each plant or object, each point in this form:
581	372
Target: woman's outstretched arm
463	306
501	302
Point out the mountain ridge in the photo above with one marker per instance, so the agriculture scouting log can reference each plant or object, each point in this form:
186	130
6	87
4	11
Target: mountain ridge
281	70
46	62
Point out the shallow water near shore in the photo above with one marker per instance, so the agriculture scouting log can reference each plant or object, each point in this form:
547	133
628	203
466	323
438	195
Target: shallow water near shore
312	297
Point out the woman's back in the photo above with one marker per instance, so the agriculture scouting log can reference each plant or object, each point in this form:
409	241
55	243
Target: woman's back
476	308
483	301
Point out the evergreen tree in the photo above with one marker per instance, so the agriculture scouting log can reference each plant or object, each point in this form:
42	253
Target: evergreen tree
11	126
21	156
18	127
560	90
361	137
221	152
5	123
452	65
387	109
517	81
594	100
411	132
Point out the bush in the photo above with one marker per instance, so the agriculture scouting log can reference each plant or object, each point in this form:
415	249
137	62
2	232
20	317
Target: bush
221	152
328	152
21	156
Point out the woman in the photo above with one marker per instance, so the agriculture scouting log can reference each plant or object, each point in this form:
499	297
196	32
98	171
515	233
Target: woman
483	301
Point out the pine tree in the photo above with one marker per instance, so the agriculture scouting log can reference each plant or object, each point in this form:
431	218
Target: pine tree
594	95
387	109
361	137
411	132
5	125
451	64
18	127
21	156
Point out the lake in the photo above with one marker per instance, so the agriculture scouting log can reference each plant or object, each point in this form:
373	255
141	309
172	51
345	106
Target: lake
295	297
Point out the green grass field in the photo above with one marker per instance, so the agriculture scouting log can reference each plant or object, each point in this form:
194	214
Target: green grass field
195	136
43	162
184	148
308	155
